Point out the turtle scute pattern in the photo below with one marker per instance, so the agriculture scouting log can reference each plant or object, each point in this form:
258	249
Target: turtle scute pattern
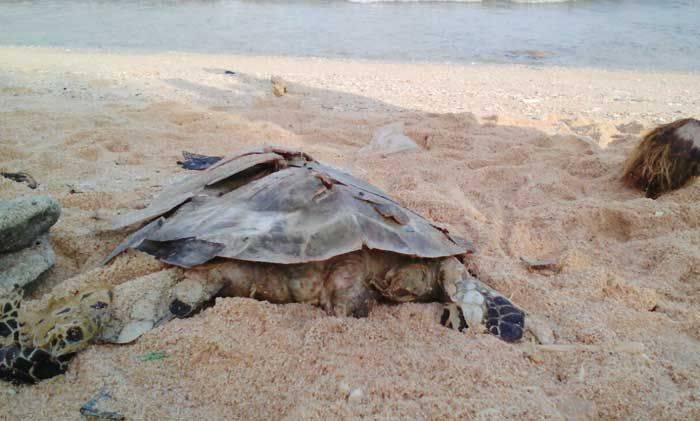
9	311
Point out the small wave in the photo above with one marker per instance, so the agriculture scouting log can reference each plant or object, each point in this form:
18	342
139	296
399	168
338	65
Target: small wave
541	1
415	1
456	1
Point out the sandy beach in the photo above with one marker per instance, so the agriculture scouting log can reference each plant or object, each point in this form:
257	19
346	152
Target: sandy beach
523	160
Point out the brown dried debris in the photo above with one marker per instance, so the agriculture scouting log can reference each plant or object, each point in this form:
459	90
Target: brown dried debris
21	177
666	159
544	266
279	86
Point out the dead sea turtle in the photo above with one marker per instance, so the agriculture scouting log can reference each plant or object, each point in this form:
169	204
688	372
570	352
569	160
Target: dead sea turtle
275	225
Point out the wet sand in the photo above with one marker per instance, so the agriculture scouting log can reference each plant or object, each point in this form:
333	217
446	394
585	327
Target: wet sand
524	161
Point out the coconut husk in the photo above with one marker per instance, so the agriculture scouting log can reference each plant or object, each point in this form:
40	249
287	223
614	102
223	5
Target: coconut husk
666	159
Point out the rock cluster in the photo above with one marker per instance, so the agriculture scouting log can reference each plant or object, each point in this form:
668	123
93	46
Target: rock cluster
25	251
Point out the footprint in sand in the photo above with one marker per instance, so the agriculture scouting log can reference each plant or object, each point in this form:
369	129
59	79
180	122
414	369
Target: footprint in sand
10	153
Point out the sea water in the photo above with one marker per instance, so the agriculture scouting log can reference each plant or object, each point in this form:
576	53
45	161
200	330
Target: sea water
632	34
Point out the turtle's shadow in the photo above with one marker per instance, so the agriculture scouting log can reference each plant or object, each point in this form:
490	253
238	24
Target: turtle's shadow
471	175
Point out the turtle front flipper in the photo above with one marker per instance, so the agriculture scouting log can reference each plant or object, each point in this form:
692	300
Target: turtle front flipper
30	365
473	302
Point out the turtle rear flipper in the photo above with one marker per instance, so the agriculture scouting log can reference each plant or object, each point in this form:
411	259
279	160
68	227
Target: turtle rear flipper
500	316
473	303
503	319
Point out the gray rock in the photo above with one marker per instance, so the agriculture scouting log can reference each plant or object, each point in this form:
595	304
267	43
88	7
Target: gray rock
590	130
632	127
388	140
573	407
540	329
95	407
24	219
22	267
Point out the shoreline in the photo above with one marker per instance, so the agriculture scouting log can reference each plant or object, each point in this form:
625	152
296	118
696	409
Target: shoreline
520	91
535	65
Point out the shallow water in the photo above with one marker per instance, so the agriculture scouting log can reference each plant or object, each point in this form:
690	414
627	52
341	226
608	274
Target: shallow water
641	34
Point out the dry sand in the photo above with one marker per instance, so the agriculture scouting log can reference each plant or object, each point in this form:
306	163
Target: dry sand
532	173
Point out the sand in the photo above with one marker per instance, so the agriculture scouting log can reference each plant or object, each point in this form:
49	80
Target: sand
525	161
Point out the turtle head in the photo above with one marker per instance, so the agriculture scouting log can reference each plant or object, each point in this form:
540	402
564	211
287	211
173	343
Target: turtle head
69	324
